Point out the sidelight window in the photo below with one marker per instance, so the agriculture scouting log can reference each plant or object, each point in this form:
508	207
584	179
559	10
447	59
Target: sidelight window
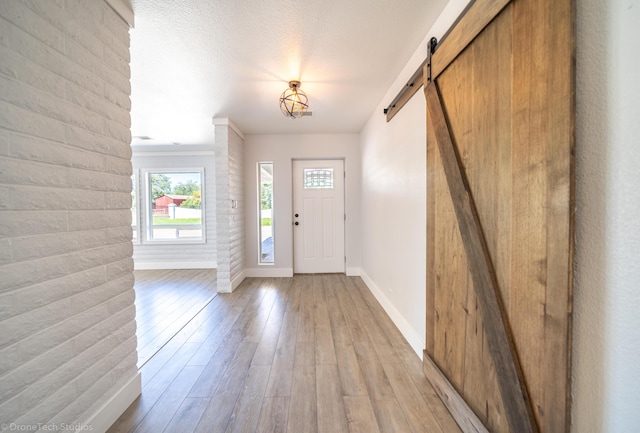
265	214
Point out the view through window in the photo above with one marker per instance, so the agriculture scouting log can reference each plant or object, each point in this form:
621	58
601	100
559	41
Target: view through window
265	204
175	205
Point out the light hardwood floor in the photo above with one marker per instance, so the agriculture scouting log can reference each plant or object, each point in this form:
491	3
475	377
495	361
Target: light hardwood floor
309	354
166	300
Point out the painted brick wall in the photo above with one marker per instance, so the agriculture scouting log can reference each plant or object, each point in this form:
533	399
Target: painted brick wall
229	145
236	215
67	318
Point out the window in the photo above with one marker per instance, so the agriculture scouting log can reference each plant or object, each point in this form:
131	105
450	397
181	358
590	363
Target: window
174	204
265	214
318	178
135	228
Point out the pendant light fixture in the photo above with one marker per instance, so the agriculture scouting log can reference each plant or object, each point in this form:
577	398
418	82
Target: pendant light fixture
293	101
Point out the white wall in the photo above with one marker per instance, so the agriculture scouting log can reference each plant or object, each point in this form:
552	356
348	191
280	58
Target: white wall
178	256
67	345
606	351
394	200
282	149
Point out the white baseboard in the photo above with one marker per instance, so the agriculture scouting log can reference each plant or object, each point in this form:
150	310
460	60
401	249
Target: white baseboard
238	280
143	266
405	328
354	272
109	413
269	272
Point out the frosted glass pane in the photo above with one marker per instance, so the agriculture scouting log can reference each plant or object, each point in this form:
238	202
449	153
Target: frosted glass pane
318	178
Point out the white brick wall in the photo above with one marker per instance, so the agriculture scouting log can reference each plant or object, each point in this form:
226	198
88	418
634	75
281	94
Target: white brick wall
67	320
229	146
236	215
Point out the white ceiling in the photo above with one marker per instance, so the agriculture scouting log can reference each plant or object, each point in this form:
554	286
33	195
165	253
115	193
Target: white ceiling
193	60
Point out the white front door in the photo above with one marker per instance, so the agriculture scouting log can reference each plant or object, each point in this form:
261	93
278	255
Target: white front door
318	216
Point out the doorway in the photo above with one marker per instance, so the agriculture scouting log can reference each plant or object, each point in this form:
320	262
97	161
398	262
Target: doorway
318	216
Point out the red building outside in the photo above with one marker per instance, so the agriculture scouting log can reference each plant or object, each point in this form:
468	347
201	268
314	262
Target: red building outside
161	205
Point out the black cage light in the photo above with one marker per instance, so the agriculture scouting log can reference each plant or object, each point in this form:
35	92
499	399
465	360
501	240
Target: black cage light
293	101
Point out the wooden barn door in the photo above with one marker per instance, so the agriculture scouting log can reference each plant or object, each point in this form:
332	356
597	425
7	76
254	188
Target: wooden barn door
500	138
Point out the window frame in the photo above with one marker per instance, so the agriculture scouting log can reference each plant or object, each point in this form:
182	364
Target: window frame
148	239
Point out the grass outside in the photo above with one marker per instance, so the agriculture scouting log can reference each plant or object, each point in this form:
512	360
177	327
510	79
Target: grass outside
176	221
266	221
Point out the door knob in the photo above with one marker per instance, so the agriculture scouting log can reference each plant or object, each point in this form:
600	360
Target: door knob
296	215
296	223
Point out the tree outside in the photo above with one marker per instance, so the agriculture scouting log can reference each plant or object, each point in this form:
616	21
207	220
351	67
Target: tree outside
193	202
160	185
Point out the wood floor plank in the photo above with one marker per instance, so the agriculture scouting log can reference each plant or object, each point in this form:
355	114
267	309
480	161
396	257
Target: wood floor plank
187	416
228	340
261	314
223	400
229	321
360	415
393	333
269	338
215	370
381	343
178	321
302	405
159	360
282	368
215	309
339	328
274	415
408	357
411	400
355	326
331	412
442	415
413	365
389	416
166	301
376	380
159	417
169	294
306	325
247	410
325	351
349	369
159	300
147	282
243	323
153	386
218	332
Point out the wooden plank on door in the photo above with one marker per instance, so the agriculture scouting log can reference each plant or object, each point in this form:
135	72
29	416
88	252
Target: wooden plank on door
542	146
474	20
510	380
458	407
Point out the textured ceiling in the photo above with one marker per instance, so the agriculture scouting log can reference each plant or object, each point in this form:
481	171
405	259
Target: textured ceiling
193	60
